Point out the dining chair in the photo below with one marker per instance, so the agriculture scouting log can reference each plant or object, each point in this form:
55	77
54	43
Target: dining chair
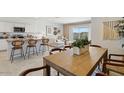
101	61
53	51
113	65
114	61
118	69
24	73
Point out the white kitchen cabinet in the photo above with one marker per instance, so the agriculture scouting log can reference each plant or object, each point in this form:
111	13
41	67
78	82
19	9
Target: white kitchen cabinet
8	27
1	26
3	44
18	25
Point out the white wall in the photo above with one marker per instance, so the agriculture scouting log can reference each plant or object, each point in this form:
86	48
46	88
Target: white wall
97	34
40	26
33	26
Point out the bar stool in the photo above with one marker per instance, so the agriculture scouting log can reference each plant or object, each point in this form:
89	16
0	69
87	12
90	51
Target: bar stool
17	44
44	44
31	44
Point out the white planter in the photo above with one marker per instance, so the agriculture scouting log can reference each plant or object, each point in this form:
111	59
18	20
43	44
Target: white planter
79	51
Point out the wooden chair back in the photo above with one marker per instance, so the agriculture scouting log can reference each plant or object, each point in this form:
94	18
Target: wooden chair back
95	46
55	50
32	42
67	47
17	43
45	41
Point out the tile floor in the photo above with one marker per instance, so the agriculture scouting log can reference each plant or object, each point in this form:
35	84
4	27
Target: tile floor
19	65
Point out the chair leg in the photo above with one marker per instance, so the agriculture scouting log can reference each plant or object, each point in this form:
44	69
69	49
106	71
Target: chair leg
42	49
23	53
33	50
48	48
12	55
39	48
107	72
99	65
36	51
57	73
28	52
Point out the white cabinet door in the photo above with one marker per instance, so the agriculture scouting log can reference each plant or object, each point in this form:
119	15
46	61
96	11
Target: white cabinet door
1	26
8	27
19	25
3	44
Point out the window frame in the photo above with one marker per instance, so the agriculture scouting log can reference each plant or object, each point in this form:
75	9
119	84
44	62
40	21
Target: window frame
88	28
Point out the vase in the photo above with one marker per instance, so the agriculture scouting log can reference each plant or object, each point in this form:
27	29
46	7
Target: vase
79	51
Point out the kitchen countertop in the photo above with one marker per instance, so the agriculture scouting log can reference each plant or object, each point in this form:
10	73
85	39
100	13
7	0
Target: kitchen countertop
3	37
25	39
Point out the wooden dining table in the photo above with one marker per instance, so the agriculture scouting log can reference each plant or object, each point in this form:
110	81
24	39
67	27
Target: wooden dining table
69	64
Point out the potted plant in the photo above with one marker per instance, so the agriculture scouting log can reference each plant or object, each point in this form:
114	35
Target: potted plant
80	46
120	28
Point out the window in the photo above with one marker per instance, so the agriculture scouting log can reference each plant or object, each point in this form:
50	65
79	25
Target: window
80	32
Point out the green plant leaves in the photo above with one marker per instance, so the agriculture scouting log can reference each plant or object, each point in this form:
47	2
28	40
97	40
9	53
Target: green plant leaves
80	43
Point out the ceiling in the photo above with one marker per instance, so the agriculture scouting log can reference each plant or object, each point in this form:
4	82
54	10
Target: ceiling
65	20
61	20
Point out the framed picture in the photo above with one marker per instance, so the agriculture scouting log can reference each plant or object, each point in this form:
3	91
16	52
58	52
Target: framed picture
52	30
49	30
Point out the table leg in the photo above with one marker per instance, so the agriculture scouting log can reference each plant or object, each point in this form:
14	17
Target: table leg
46	72
104	61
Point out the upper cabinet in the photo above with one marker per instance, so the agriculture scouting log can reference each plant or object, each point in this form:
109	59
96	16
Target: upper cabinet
8	26
18	25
